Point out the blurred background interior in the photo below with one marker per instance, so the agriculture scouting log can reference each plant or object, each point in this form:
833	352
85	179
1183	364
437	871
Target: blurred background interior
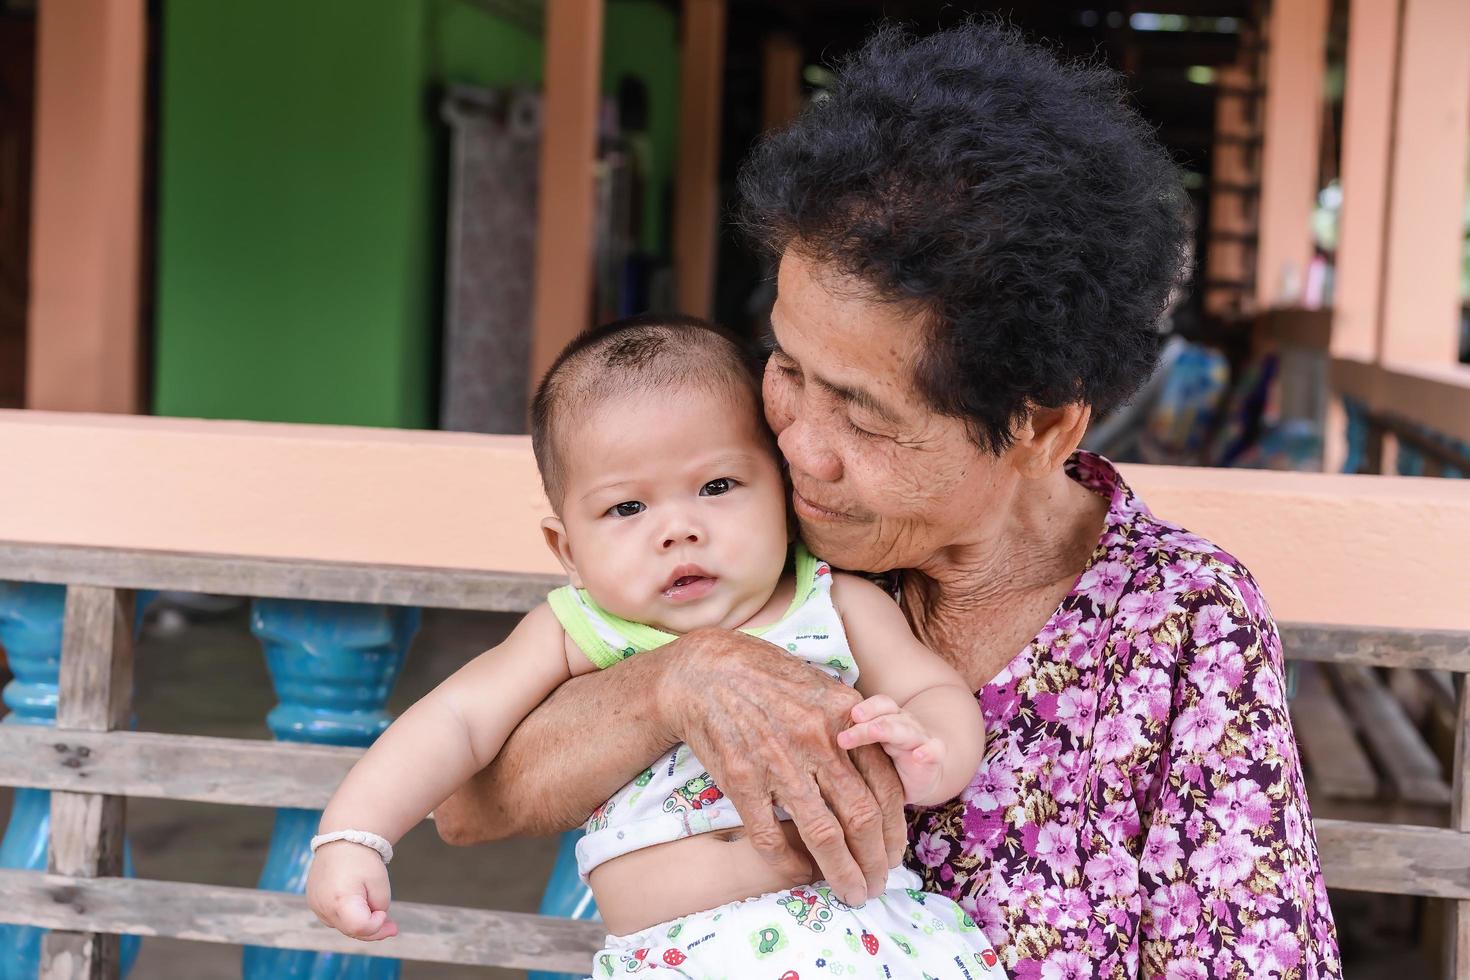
394	212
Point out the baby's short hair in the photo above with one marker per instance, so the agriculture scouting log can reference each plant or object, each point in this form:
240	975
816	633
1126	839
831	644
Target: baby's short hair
648	352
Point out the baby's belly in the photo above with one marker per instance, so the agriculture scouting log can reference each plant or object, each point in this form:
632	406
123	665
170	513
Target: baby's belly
655	884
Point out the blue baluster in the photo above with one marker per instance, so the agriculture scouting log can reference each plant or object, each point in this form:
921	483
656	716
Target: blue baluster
333	666
30	631
1410	460
566	896
1357	436
1454	472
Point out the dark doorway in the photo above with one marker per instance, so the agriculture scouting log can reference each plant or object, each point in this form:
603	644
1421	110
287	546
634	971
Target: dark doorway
17	102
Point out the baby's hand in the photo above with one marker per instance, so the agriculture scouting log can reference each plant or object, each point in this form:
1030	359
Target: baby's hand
918	757
347	888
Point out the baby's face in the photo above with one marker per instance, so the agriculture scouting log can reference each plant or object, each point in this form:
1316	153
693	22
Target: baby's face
675	511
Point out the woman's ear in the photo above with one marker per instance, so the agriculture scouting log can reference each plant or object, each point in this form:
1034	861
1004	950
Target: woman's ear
555	533
1047	437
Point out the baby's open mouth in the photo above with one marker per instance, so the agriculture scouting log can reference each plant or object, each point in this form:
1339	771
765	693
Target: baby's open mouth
689	582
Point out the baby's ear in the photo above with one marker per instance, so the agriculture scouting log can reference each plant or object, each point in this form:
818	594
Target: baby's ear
555	533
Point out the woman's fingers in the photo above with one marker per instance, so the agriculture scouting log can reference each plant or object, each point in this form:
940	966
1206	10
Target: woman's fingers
763	723
823	836
883	782
764	832
861	817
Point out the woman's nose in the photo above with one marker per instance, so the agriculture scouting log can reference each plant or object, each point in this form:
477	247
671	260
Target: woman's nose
807	452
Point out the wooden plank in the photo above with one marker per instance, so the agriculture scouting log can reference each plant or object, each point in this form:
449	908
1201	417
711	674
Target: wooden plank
1441	687
1406	760
86	834
438	588
219	914
1429	861
489	591
1426	861
1335	761
202	769
96	679
1417	649
95	695
77	955
1457	955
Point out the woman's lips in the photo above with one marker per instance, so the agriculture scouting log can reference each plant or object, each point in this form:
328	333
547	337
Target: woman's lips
814	511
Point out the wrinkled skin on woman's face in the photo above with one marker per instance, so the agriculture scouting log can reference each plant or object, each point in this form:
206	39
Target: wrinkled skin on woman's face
880	480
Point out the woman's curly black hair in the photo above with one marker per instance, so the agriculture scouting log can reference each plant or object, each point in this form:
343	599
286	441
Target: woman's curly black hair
1020	202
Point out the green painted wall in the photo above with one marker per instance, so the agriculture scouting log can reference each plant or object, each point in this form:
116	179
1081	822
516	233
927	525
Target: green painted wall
640	37
300	183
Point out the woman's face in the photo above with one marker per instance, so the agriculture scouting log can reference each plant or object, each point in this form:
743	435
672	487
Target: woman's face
880	480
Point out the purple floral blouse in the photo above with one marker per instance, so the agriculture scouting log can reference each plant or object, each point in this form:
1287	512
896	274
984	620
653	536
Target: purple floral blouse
1140	809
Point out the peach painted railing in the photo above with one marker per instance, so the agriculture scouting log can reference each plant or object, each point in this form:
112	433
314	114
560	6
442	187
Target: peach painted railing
1363	571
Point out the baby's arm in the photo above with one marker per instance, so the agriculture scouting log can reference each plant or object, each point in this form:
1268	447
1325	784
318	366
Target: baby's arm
917	706
433	747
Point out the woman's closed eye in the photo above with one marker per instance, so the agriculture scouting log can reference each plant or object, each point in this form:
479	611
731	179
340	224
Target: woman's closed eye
859	431
627	508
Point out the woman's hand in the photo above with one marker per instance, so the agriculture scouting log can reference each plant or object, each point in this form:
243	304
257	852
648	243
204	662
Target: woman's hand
347	888
765	724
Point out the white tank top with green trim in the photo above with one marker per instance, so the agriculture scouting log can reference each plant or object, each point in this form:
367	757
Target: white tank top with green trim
675	797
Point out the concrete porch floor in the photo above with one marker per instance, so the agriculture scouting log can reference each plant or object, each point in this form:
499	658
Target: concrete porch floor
210	679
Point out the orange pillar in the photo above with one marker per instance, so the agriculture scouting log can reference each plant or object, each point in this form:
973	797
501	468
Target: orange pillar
1426	195
83	336
781	96
1295	66
565	209
697	181
1367	138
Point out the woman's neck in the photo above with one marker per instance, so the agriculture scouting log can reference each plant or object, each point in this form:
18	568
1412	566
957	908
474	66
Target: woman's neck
978	602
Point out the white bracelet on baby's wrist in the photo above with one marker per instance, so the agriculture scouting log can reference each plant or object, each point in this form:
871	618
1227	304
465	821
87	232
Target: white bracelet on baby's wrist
364	837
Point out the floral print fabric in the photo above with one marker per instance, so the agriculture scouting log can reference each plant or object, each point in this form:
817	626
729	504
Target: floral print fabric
1140	810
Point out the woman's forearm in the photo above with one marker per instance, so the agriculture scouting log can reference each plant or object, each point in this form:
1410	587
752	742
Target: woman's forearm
588	738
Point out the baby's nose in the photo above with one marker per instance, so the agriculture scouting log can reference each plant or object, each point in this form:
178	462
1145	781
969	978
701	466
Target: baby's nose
687	536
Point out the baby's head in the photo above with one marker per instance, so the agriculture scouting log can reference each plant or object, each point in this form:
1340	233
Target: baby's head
670	504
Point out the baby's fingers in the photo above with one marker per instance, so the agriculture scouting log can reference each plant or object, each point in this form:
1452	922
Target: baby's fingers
897	733
929	755
354	918
870	708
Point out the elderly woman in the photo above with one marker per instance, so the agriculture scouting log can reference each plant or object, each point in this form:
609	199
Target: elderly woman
974	244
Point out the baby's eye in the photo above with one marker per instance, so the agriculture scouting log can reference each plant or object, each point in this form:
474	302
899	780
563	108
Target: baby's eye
626	509
716	487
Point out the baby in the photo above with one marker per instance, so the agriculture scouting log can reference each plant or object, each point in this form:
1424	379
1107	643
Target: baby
671	516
